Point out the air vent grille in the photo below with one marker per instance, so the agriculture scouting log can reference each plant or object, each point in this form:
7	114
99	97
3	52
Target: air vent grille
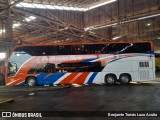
143	64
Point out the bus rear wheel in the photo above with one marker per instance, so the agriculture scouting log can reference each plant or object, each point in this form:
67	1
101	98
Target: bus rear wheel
110	79
125	79
2	79
31	81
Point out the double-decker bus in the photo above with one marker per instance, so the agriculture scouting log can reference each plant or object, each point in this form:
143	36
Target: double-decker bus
81	63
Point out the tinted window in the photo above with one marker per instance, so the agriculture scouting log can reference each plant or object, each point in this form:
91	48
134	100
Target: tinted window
128	48
111	48
81	67
42	68
86	49
62	50
37	50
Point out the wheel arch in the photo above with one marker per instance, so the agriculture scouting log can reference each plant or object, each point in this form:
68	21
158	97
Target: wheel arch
108	74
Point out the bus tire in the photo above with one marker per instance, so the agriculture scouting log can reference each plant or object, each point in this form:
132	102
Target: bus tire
2	79
125	79
110	79
31	81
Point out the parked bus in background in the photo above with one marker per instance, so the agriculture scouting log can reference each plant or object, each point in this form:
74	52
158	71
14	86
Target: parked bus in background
157	61
83	63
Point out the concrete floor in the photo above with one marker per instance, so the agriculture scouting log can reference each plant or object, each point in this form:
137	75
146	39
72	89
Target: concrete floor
133	97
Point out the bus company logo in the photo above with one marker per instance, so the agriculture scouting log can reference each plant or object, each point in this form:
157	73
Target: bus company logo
6	114
60	58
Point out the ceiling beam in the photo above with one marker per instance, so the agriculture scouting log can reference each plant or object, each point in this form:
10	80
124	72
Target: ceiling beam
40	16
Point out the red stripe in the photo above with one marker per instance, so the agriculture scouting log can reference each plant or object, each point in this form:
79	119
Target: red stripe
68	79
81	78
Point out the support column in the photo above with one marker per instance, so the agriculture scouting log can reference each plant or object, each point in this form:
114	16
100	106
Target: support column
8	24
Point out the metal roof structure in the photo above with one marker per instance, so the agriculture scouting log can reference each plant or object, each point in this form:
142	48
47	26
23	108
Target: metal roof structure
55	21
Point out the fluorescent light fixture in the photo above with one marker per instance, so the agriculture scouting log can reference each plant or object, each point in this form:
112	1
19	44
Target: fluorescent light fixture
2	55
61	29
27	19
92	32
32	17
115	38
89	28
2	31
41	6
98	27
148	24
101	4
150	16
66	28
16	25
158	38
68	39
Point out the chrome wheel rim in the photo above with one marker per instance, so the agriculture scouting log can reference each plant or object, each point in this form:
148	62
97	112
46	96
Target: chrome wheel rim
125	79
110	80
31	82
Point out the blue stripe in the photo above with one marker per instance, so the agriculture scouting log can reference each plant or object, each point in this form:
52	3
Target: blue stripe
117	59
22	83
88	60
92	78
43	79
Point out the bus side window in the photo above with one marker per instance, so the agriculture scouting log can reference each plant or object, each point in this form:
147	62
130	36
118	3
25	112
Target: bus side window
49	68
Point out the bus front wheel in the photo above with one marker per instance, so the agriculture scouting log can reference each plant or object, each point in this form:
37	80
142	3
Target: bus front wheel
31	81
110	79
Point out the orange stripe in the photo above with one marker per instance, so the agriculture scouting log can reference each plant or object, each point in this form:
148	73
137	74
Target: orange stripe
81	78
68	78
18	81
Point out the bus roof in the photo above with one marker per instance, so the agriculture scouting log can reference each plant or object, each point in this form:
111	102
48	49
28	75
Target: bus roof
82	43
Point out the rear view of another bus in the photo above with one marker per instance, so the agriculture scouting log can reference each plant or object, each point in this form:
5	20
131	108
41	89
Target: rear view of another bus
157	61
